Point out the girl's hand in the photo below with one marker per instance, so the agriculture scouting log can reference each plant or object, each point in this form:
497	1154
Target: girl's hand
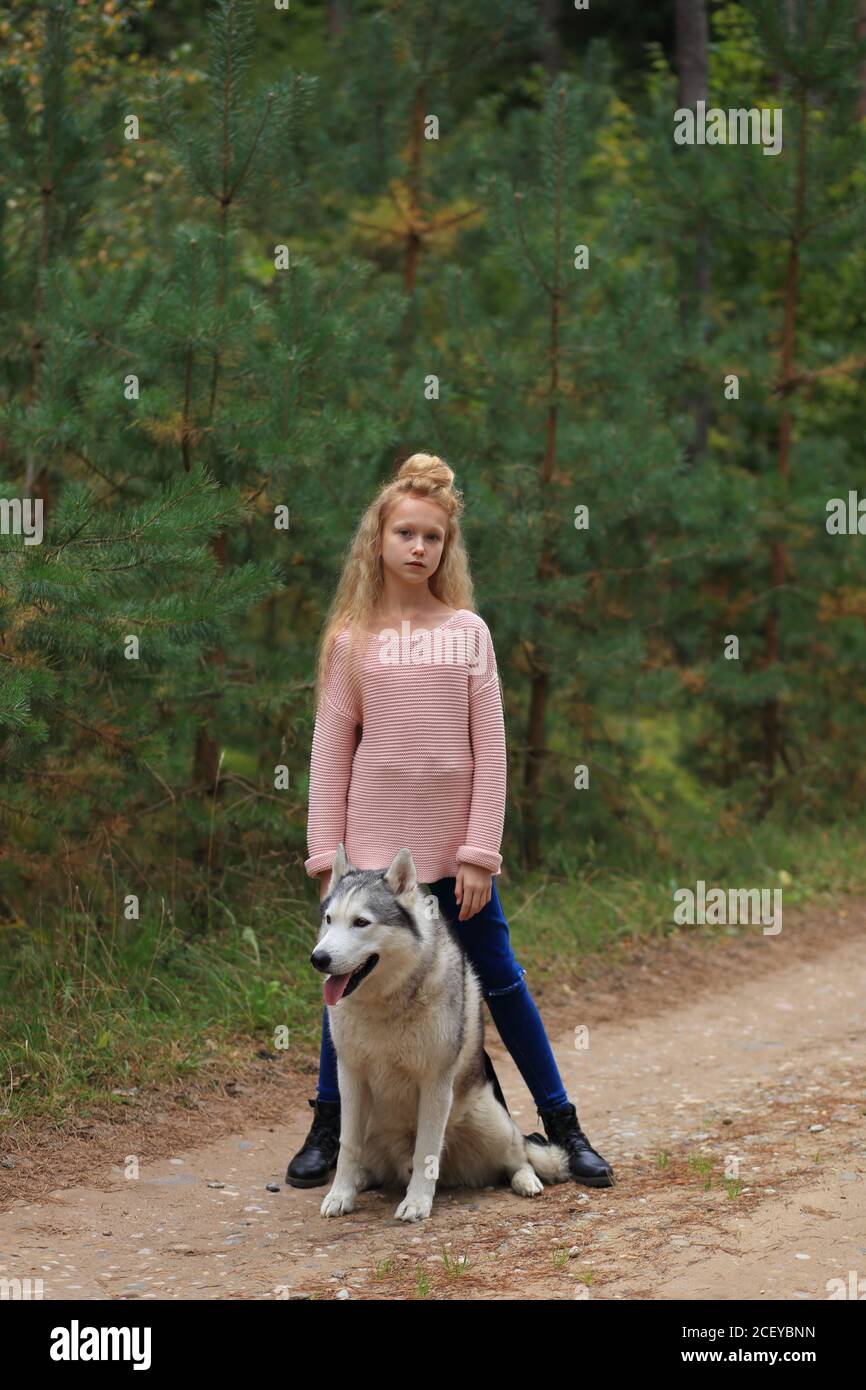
472	889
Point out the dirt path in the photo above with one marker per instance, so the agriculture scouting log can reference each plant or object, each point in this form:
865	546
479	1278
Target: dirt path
753	1048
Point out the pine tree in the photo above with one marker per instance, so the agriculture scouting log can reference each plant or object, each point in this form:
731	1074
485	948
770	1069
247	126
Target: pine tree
561	362
784	359
392	160
187	396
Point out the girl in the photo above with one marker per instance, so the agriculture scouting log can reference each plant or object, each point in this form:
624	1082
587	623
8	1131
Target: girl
413	753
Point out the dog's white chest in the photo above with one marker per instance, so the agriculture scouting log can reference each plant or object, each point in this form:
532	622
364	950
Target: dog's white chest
385	1051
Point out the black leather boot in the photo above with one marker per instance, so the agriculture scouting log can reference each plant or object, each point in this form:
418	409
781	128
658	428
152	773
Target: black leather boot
587	1166
312	1164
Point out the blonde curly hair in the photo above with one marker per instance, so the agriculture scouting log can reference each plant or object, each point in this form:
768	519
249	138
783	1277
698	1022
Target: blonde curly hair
361	582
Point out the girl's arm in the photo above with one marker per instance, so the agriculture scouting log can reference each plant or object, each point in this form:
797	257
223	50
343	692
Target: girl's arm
334	743
487	732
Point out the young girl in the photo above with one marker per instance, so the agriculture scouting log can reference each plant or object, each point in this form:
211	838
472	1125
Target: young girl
413	753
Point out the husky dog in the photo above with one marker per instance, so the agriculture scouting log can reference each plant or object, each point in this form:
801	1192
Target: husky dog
420	1101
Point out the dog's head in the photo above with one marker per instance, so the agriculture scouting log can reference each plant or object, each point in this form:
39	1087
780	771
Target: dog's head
370	922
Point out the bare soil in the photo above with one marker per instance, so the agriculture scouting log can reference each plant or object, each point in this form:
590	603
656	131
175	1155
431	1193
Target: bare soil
725	1080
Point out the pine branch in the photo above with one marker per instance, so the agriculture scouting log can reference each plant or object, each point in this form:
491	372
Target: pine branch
241	176
518	199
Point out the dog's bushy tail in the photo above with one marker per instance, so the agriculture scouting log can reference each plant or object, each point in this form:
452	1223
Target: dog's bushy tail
549	1161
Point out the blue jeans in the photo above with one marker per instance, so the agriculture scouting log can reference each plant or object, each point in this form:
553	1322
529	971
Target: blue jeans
518	1022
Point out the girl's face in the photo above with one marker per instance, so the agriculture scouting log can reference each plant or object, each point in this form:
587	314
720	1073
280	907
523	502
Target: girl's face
413	537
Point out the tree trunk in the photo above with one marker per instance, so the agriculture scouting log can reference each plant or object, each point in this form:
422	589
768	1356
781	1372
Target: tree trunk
861	34
779	567
205	763
336	18
207	749
536	749
414	185
692	69
691	51
550	49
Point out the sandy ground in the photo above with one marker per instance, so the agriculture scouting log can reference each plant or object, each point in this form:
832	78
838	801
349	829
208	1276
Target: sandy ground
729	1055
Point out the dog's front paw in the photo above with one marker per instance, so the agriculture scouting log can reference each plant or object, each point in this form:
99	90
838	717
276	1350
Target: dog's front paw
338	1203
414	1208
526	1182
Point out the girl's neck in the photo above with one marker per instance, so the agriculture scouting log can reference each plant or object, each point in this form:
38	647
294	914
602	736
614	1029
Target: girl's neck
412	608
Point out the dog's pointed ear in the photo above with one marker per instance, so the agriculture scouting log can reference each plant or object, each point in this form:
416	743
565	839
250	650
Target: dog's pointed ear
341	865
401	874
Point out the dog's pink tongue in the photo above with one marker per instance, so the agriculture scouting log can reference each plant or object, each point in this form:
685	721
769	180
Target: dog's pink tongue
334	986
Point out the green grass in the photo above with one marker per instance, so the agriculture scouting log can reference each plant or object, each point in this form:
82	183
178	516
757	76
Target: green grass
556	921
87	1010
455	1266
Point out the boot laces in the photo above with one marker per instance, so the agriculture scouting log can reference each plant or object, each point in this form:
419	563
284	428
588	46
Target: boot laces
323	1126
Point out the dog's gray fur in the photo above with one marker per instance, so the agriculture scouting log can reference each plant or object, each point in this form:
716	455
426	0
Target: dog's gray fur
417	1104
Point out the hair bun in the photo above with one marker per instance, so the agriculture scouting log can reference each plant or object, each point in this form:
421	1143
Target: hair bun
430	467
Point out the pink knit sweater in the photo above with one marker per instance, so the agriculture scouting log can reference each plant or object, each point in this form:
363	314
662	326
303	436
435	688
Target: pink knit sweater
428	771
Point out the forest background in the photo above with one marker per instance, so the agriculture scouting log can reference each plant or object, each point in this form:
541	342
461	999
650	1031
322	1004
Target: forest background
250	259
